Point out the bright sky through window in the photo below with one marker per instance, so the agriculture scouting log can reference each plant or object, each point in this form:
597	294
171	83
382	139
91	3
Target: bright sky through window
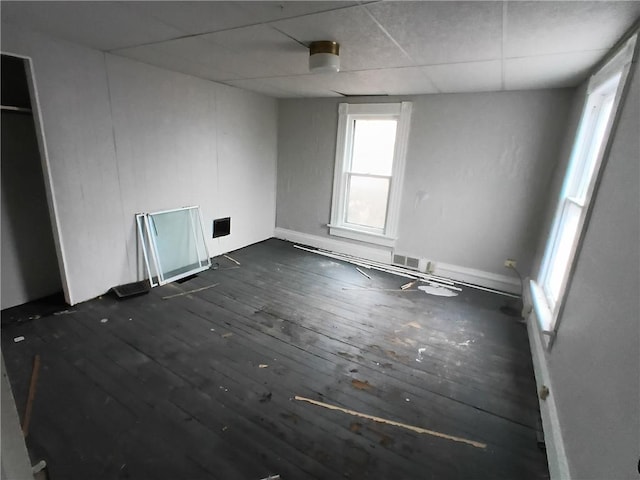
373	144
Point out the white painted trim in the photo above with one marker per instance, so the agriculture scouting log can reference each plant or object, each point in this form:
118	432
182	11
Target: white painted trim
45	161
477	277
399	163
361	236
347	113
363	251
384	255
556	454
543	313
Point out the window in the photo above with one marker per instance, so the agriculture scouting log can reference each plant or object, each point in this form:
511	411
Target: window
603	97
370	156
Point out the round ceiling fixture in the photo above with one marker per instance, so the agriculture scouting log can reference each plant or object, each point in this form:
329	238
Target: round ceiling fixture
324	57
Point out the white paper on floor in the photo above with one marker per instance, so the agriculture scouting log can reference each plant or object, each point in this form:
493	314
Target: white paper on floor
439	291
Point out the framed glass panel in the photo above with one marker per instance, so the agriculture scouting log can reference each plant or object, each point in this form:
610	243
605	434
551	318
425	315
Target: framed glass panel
177	243
567	235
367	201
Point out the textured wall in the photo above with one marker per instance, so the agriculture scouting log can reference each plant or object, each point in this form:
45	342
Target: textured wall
594	363
123	137
477	174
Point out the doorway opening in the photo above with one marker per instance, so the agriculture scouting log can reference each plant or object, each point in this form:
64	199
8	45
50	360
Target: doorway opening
30	268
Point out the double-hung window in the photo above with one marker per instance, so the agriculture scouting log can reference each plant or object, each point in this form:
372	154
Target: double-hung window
370	157
603	96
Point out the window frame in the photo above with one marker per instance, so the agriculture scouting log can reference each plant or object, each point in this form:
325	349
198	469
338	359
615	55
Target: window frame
580	183
348	113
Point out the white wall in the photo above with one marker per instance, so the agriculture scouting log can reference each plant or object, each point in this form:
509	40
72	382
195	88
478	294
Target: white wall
593	368
185	141
123	137
477	174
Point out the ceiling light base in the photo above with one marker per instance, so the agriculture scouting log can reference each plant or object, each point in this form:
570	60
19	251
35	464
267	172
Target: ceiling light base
324	57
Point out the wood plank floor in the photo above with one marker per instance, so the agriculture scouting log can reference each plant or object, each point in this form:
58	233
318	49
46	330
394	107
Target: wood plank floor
203	386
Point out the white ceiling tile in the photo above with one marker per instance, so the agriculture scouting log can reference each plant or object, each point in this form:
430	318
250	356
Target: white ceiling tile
220	62
386	47
291	86
537	28
363	45
466	77
169	57
390	81
100	25
259	86
263	51
550	71
205	17
265	11
443	32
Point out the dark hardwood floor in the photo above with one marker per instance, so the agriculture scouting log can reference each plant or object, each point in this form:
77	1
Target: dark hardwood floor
203	386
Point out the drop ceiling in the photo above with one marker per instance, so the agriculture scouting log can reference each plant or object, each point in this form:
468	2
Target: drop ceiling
387	48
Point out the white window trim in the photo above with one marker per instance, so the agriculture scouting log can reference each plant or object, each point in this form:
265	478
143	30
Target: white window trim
347	113
548	312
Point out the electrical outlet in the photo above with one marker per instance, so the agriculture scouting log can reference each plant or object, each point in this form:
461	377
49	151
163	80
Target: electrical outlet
510	263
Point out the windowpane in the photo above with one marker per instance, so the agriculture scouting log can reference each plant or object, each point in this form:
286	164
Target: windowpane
566	236
373	146
367	201
596	144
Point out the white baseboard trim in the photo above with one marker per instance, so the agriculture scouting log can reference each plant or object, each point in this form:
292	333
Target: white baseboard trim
556	454
477	277
374	254
381	254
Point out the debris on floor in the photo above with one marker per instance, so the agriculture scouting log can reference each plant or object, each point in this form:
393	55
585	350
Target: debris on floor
33	383
232	259
65	312
378	289
365	274
190	291
104	320
132	289
360	384
226	335
408	285
412	428
263	365
272	477
402	271
437	291
420	356
40	471
383	267
18	339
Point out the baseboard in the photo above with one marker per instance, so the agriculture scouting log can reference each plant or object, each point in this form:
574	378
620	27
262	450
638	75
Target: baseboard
381	254
477	277
556	454
374	254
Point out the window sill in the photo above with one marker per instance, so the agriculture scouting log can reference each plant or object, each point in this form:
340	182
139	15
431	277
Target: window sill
542	310
377	239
